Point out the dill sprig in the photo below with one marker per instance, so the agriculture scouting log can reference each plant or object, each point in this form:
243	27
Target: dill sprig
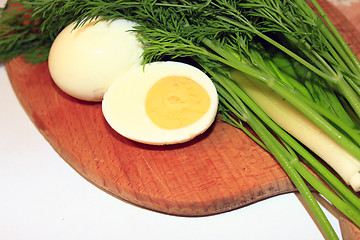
17	38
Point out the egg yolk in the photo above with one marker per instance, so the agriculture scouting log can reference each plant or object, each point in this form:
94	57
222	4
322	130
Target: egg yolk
175	102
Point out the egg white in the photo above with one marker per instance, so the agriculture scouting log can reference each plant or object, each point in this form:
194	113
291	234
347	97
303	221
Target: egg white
83	62
124	104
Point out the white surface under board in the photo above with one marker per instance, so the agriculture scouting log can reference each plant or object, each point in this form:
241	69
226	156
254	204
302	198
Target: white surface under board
43	198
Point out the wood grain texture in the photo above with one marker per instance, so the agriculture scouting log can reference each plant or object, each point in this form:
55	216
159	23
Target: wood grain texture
218	171
348	229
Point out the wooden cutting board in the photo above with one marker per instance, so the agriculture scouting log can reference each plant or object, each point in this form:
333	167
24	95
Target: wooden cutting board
218	171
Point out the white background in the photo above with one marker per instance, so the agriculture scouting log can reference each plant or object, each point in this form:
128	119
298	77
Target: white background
41	197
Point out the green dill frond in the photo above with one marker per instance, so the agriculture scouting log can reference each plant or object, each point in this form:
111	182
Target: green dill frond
19	34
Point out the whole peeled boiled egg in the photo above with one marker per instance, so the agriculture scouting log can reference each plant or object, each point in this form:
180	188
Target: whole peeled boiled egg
161	103
84	61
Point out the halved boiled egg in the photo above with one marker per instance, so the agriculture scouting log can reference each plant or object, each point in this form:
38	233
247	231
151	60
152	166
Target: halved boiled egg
83	62
161	103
